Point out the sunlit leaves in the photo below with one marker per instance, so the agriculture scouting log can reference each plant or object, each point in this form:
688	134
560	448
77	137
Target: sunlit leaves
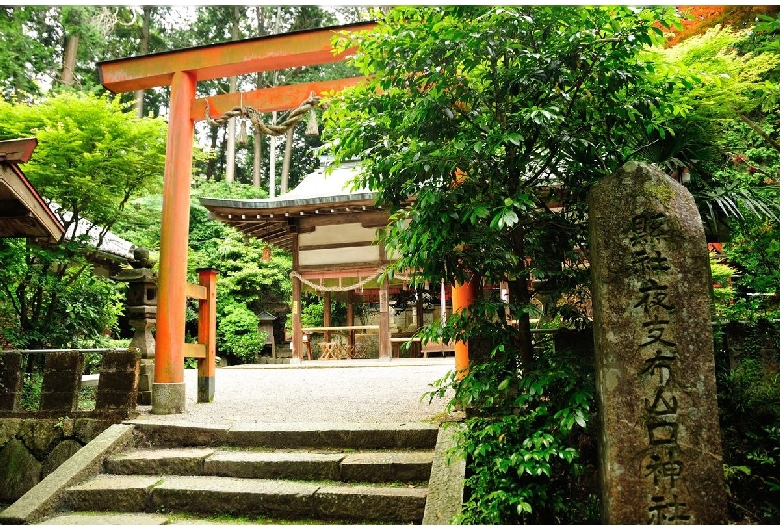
91	155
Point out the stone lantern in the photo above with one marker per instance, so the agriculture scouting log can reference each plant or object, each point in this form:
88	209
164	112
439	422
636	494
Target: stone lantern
142	314
267	324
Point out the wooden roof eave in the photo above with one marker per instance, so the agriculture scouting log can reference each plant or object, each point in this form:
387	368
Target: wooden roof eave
262	208
38	220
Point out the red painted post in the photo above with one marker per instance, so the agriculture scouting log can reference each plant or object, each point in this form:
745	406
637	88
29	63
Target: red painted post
168	388
207	334
462	297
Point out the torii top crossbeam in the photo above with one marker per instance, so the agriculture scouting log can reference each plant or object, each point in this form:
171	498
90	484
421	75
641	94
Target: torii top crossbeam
181	70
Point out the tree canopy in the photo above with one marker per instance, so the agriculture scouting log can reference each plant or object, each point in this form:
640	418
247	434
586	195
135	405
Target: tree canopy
496	120
92	157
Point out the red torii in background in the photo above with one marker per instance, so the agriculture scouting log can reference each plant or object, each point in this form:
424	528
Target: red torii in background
181	70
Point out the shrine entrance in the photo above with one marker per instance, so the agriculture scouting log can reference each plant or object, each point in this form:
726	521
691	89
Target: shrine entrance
330	230
181	70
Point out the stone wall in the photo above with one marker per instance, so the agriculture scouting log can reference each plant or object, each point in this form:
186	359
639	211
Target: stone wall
31	448
33	444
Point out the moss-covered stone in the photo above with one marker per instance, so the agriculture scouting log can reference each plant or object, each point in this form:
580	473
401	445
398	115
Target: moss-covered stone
60	454
9	427
42	436
21	471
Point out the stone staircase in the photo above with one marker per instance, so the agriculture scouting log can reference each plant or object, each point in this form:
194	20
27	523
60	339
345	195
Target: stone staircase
260	473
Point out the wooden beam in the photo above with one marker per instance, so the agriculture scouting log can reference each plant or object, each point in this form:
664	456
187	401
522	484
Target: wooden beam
268	99
194	351
262	54
198	292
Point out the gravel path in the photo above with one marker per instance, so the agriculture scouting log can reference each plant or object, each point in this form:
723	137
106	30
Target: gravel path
316	391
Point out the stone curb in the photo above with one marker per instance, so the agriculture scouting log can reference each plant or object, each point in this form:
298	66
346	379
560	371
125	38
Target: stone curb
445	487
86	462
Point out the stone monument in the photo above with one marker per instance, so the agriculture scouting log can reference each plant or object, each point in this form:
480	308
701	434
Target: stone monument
659	442
142	314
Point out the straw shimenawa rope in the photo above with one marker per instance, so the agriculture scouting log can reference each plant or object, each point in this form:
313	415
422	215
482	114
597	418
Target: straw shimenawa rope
255	117
361	283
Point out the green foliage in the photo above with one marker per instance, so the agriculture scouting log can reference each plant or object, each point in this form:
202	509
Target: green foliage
755	251
238	334
31	392
91	158
487	114
730	95
140	222
51	299
246	284
25	55
524	441
312	312
722	291
749	404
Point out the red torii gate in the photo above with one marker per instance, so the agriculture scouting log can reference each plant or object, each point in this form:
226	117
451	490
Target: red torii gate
181	70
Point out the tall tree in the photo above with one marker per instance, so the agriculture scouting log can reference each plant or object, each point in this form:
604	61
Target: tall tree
496	120
28	34
488	116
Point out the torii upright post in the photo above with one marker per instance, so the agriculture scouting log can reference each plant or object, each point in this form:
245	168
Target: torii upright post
181	70
168	386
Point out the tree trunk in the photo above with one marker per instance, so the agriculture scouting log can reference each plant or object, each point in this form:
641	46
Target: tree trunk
256	167
69	60
518	289
525	345
287	157
230	169
258	160
212	153
139	94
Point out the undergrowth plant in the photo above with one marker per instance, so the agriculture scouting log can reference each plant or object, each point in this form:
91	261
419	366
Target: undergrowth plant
749	403
530	455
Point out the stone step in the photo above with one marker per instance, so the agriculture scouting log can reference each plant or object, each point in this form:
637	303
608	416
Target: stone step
202	495
78	518
291	435
148	519
359	466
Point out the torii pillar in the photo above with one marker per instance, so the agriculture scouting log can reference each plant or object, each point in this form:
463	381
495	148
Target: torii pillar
181	70
463	295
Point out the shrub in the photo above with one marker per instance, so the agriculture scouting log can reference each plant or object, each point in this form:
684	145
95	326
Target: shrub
749	403
238	335
525	441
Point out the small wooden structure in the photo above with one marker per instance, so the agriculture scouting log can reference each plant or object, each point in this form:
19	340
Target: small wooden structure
330	229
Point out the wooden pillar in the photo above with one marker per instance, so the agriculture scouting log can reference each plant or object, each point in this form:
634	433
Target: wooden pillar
207	334
351	320
297	335
419	311
326	314
385	346
462	297
168	388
